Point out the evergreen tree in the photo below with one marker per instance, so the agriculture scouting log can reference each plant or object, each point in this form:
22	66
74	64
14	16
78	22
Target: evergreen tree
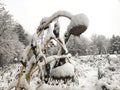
114	45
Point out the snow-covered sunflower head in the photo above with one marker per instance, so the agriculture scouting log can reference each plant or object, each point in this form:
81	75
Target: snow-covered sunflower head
79	23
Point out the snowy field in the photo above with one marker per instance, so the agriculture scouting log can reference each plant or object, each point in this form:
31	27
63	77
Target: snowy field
91	73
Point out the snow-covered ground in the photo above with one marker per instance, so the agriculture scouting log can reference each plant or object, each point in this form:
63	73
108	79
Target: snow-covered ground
91	73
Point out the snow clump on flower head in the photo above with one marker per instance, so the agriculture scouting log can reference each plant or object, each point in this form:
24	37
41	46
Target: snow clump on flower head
79	23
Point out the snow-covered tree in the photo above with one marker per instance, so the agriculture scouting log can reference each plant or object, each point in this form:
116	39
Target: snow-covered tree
78	45
10	45
101	43
114	45
23	37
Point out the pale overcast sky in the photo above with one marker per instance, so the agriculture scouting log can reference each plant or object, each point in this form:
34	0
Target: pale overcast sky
104	15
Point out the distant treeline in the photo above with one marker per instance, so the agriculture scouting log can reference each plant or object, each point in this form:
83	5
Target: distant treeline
97	44
12	37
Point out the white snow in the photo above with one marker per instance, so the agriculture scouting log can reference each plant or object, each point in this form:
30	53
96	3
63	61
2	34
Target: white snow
65	70
55	16
61	13
34	39
86	75
43	21
29	64
25	52
114	58
80	19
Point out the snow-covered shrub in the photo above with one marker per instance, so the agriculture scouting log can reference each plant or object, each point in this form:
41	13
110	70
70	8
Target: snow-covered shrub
114	59
105	84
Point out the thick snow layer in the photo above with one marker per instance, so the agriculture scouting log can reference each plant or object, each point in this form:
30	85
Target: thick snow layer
54	17
64	70
80	19
86	73
61	13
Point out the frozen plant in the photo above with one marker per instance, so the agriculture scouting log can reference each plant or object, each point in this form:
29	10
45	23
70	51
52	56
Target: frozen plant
36	57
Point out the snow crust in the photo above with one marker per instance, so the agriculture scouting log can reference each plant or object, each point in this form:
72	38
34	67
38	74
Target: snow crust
65	70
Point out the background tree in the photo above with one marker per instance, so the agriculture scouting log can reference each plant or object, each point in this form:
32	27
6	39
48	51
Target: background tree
101	43
23	37
114	45
98	44
78	45
11	44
